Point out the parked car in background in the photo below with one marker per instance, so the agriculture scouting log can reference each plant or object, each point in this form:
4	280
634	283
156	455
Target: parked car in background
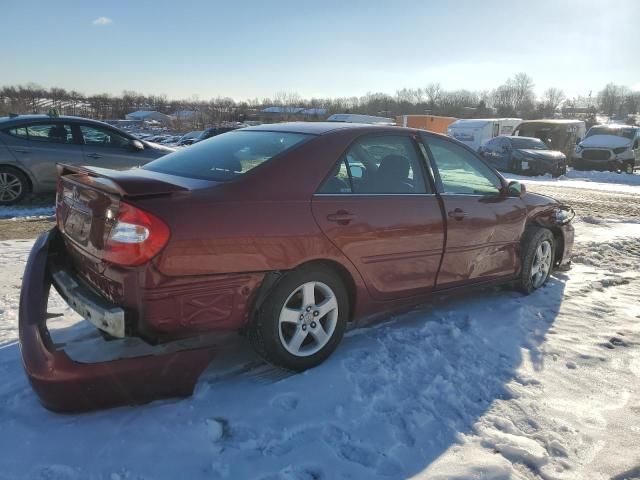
525	155
214	131
561	135
189	138
357	118
31	145
475	132
307	227
609	147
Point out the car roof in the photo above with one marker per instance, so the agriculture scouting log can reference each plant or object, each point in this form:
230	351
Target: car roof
22	119
320	128
613	126
558	121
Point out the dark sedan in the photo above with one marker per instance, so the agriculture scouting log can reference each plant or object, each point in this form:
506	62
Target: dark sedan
285	232
523	155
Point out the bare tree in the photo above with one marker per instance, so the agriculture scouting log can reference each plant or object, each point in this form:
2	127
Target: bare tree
610	98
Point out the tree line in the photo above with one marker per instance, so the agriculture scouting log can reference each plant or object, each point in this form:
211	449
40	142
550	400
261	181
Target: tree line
514	98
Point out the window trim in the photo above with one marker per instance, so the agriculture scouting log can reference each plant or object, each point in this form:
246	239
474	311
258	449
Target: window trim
343	158
425	136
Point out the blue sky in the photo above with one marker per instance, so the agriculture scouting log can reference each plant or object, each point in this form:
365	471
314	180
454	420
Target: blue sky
248	49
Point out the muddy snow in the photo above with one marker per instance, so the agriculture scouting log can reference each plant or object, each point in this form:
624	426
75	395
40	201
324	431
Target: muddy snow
493	386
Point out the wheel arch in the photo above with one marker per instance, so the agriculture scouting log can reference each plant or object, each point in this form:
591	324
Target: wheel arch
23	171
556	231
272	279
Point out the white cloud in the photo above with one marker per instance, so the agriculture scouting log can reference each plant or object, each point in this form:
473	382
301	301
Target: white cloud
100	21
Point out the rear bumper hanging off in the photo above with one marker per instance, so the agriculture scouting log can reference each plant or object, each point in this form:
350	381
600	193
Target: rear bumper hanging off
65	385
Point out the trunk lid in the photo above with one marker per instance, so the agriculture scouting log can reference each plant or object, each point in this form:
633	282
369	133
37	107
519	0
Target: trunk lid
89	200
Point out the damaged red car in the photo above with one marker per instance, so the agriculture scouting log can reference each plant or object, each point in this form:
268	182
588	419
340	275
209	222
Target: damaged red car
285	232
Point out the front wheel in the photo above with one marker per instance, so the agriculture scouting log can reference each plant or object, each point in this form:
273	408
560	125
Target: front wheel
628	168
302	321
537	255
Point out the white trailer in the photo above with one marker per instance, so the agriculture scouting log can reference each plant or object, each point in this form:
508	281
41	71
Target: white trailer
475	132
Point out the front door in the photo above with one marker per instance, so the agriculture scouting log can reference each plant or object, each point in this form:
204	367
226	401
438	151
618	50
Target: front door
378	208
483	225
107	148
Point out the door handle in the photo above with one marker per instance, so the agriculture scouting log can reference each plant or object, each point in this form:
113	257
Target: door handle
20	150
458	214
94	155
341	216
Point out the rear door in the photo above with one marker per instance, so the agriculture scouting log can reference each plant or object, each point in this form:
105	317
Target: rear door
40	145
107	148
380	210
483	225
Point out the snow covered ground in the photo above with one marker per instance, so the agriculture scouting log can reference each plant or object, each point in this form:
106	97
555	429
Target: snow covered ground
594	180
493	386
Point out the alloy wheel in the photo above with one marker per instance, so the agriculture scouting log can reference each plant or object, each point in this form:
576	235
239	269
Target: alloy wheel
541	265
10	187
308	319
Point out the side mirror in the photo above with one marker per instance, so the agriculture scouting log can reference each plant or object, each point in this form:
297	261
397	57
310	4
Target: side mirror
516	189
137	145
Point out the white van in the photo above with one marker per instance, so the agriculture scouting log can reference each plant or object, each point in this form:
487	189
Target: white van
475	132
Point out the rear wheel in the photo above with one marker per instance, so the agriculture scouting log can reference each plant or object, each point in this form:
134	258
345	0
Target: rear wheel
302	321
13	186
538	256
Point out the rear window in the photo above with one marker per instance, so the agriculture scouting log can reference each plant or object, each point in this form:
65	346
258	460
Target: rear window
226	156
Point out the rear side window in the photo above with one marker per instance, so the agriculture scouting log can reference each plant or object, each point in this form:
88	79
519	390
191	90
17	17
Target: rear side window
45	132
226	156
378	165
20	132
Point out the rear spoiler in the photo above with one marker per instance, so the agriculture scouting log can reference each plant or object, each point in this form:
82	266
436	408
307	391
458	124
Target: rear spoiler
125	183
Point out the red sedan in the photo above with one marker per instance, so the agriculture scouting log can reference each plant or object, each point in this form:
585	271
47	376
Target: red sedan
286	232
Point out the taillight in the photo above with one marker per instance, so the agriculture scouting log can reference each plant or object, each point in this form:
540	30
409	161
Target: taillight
136	237
59	191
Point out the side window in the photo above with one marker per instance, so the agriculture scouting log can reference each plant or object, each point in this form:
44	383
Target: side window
102	137
379	164
491	145
338	181
20	132
52	133
460	171
46	132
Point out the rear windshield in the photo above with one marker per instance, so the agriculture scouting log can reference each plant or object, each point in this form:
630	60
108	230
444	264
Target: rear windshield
227	156
528	144
620	132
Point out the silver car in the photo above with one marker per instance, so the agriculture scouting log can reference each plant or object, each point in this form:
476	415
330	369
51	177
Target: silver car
31	145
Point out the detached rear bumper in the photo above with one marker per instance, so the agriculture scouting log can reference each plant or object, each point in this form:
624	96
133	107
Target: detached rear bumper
64	385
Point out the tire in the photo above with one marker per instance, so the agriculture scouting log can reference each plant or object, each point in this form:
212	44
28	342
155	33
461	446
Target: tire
286	330
628	168
558	172
535	257
13	186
